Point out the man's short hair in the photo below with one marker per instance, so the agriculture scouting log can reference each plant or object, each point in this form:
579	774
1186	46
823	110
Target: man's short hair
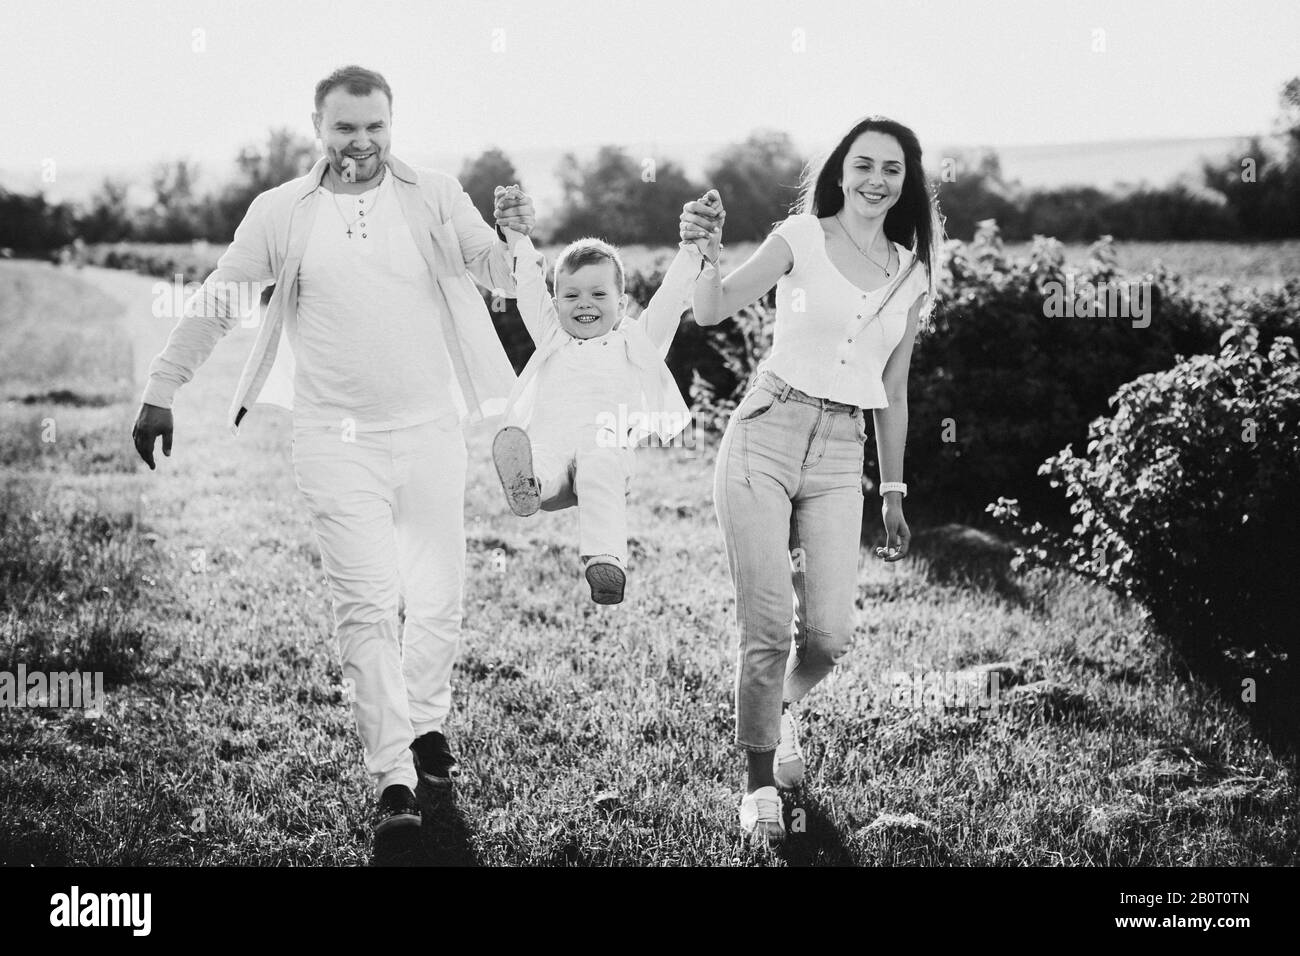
356	80
588	252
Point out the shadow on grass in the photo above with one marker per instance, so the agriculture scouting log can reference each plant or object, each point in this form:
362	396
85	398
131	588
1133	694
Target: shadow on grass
1266	691
28	850
1276	714
66	396
811	838
956	554
442	839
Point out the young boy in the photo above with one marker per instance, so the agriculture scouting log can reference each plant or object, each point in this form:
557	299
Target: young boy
595	387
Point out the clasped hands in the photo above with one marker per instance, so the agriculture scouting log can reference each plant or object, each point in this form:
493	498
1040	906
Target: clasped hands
701	223
513	209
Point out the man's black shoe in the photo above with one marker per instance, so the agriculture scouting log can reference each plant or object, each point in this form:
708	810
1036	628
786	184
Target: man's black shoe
433	760
397	808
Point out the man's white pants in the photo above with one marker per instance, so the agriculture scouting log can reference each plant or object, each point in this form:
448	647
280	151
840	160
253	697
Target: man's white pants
387	509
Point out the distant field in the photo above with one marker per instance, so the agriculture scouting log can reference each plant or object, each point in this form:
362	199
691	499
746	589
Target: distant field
588	735
66	372
59	333
195	260
1257	263
1252	263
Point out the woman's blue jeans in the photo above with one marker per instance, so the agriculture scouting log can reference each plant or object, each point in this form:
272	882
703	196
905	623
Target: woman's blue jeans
788	493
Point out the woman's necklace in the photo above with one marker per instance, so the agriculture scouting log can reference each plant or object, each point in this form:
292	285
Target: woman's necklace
864	252
360	215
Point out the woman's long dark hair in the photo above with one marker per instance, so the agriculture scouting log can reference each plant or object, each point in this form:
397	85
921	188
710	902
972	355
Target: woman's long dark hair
913	222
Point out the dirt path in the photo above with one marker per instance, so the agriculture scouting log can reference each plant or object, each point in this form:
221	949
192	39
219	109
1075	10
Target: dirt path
215	484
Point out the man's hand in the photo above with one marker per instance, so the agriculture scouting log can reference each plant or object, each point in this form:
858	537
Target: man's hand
701	222
149	424
513	209
897	535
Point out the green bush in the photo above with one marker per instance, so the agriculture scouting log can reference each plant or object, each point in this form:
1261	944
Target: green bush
1002	383
738	345
1185	499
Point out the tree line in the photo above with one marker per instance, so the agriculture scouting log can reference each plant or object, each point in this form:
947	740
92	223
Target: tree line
632	199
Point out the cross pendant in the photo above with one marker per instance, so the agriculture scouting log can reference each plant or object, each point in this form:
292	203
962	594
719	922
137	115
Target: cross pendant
349	232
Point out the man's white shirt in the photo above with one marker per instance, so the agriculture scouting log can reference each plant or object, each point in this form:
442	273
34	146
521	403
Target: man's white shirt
366	336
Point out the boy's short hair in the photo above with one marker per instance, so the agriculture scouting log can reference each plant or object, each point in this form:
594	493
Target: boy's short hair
589	252
356	80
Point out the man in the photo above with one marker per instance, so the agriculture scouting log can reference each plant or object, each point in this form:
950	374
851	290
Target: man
377	340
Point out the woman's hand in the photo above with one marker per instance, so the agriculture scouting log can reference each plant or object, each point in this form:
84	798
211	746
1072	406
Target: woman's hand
897	535
701	222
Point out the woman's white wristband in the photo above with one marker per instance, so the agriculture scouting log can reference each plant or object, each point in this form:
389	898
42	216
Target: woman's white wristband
888	486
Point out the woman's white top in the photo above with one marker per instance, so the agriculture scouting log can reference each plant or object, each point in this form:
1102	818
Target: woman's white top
832	339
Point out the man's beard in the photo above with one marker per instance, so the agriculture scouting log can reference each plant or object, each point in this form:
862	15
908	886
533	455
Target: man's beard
351	171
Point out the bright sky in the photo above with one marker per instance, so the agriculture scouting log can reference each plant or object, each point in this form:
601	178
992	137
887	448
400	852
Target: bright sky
115	82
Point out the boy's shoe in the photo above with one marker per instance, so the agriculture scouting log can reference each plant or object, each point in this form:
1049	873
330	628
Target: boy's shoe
787	765
604	573
397	809
512	453
760	815
433	760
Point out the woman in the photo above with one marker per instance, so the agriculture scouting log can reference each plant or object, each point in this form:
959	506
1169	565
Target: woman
853	270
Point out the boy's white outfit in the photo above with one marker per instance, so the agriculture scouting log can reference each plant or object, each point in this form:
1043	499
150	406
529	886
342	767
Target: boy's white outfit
381	346
587	403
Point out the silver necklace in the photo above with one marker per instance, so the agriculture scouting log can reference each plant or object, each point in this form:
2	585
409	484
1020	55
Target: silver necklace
889	250
360	215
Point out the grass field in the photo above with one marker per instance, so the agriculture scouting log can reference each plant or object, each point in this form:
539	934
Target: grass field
588	735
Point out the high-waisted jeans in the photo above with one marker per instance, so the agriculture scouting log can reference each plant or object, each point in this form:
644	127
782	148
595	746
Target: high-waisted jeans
788	492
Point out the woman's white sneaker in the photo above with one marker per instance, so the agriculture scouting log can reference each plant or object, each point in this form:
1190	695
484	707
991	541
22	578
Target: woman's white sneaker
787	763
760	815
